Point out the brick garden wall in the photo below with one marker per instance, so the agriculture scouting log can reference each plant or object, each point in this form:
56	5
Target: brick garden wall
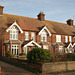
58	67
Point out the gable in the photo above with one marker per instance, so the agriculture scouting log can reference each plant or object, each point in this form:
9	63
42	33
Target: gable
14	26
44	30
70	46
32	43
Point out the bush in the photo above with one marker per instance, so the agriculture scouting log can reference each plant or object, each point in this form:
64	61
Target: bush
38	55
22	54
8	54
70	56
64	57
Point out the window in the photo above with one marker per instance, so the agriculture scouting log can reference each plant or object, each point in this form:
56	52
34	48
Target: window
33	36
58	38
45	46
66	51
44	36
66	39
13	34
15	49
70	38
26	35
26	50
8	47
61	49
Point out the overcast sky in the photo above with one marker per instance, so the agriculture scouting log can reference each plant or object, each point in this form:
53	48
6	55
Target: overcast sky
55	10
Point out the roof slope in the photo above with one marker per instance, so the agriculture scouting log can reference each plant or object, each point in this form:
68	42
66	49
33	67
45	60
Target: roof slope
33	24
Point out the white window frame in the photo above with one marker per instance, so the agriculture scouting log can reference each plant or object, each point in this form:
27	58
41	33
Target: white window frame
15	47
13	34
70	38
61	49
26	35
45	47
58	38
26	50
66	50
33	36
44	36
8	47
66	39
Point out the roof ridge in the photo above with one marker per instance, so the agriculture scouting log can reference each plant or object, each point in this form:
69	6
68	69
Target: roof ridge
56	22
18	16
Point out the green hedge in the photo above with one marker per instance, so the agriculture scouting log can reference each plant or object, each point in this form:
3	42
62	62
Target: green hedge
64	57
38	55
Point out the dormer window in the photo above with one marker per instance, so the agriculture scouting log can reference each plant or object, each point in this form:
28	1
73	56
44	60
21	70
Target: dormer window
44	36
13	34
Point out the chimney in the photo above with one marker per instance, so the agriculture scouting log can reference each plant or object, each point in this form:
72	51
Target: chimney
1	10
41	16
70	22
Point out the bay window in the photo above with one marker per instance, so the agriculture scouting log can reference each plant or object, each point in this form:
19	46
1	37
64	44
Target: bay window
15	50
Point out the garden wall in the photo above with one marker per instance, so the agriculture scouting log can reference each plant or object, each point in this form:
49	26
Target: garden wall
58	67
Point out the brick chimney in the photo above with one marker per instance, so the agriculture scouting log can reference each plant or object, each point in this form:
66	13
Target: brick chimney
1	10
41	16
70	22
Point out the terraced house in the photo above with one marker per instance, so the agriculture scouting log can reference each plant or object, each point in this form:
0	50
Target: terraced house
20	34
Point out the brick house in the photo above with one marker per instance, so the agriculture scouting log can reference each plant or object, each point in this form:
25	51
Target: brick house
20	34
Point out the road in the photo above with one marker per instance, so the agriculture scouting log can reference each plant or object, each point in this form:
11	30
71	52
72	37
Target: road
8	69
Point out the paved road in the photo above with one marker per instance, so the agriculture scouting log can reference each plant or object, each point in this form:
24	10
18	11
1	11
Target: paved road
8	69
12	70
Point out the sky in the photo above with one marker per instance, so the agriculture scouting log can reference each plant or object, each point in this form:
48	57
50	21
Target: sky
54	10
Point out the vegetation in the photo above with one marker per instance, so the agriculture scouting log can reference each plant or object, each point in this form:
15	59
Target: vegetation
8	54
64	57
38	55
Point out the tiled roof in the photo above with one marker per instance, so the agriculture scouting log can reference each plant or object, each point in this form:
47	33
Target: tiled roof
33	24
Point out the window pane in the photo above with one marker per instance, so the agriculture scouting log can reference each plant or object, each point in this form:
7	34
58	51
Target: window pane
26	35
13	34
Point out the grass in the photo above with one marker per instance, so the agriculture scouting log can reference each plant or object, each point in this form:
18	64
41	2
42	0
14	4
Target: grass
28	68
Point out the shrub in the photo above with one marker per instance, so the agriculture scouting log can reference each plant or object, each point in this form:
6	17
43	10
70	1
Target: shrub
38	55
8	54
22	54
70	56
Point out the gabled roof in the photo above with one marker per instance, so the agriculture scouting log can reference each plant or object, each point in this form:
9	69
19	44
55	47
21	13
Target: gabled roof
45	28
33	24
14	24
29	43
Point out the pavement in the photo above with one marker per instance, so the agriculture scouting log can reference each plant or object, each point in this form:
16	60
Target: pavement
8	69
